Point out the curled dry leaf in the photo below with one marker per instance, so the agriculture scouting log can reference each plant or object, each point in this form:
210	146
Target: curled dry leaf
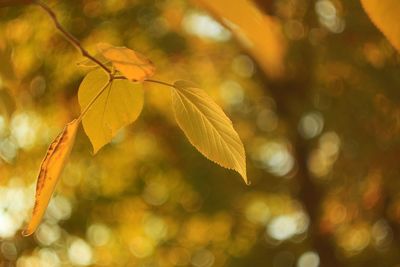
132	65
385	15
50	171
207	127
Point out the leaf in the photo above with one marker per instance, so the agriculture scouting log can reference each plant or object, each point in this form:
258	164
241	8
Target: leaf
385	15
117	106
207	127
50	171
259	33
132	65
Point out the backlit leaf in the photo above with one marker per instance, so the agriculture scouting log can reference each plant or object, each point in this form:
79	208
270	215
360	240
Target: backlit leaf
207	127
385	15
118	105
132	65
50	171
259	33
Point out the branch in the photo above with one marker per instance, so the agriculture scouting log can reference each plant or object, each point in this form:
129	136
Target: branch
66	34
74	41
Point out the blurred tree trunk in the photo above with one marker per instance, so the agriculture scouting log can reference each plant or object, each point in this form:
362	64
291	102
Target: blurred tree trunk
290	94
311	196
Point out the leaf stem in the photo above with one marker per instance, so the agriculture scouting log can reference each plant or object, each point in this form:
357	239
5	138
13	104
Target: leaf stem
118	77
72	39
88	106
159	82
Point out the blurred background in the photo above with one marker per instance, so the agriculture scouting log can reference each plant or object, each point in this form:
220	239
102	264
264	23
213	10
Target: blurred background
312	88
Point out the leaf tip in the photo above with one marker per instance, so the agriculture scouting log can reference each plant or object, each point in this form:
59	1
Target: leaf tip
95	150
245	178
26	232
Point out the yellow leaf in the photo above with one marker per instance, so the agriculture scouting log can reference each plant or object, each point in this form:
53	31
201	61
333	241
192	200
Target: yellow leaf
207	127
117	106
385	15
132	65
50	171
260	34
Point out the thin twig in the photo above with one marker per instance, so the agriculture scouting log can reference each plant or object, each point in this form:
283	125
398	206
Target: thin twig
69	36
119	77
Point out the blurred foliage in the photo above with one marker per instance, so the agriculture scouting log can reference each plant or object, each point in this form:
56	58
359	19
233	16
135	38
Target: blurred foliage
322	141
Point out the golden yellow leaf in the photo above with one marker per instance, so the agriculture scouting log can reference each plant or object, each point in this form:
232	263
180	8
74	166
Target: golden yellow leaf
117	106
260	34
385	15
207	127
50	171
132	65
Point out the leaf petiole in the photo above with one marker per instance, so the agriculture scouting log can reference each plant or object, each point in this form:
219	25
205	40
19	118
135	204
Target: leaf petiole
159	82
146	80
